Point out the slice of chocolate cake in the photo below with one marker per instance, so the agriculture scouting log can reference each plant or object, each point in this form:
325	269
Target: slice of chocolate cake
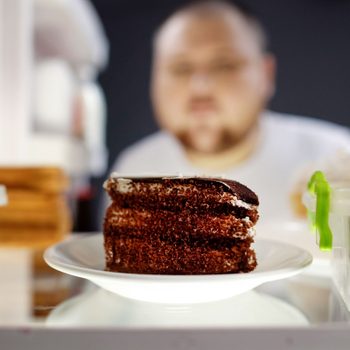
179	225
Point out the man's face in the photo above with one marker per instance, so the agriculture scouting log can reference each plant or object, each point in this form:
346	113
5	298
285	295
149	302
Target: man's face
210	82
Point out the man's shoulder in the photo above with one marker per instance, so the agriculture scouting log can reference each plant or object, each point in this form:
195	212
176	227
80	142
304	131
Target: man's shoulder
146	151
302	124
310	137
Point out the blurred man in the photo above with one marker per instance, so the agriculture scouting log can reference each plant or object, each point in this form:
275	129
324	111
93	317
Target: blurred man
212	79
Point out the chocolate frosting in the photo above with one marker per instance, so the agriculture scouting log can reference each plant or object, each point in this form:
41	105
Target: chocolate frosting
241	191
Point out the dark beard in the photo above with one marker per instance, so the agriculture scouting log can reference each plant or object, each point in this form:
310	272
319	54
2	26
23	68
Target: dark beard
227	140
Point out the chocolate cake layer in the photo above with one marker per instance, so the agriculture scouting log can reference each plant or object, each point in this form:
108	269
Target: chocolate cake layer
179	225
157	256
151	223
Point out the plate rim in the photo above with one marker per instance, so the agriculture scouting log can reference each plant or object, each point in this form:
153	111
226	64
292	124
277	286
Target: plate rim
52	259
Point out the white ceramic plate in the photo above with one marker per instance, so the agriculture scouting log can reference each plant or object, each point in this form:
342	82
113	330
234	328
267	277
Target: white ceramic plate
83	256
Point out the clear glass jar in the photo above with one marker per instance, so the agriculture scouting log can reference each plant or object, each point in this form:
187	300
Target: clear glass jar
339	224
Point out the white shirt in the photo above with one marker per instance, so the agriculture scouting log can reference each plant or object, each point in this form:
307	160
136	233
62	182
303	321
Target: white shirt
288	144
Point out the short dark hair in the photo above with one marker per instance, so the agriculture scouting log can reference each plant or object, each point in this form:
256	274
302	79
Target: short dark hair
247	13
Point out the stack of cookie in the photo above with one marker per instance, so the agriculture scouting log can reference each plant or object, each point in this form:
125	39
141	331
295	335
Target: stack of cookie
37	213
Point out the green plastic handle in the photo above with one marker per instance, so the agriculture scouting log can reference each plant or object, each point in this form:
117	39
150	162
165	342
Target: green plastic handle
319	187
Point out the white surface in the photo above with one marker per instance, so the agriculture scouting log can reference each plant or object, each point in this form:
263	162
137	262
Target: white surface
45	149
58	150
93	105
15	78
60	101
15	300
292	338
102	308
84	257
54	90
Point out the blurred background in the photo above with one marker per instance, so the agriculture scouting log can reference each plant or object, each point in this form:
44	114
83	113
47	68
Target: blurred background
309	38
108	58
